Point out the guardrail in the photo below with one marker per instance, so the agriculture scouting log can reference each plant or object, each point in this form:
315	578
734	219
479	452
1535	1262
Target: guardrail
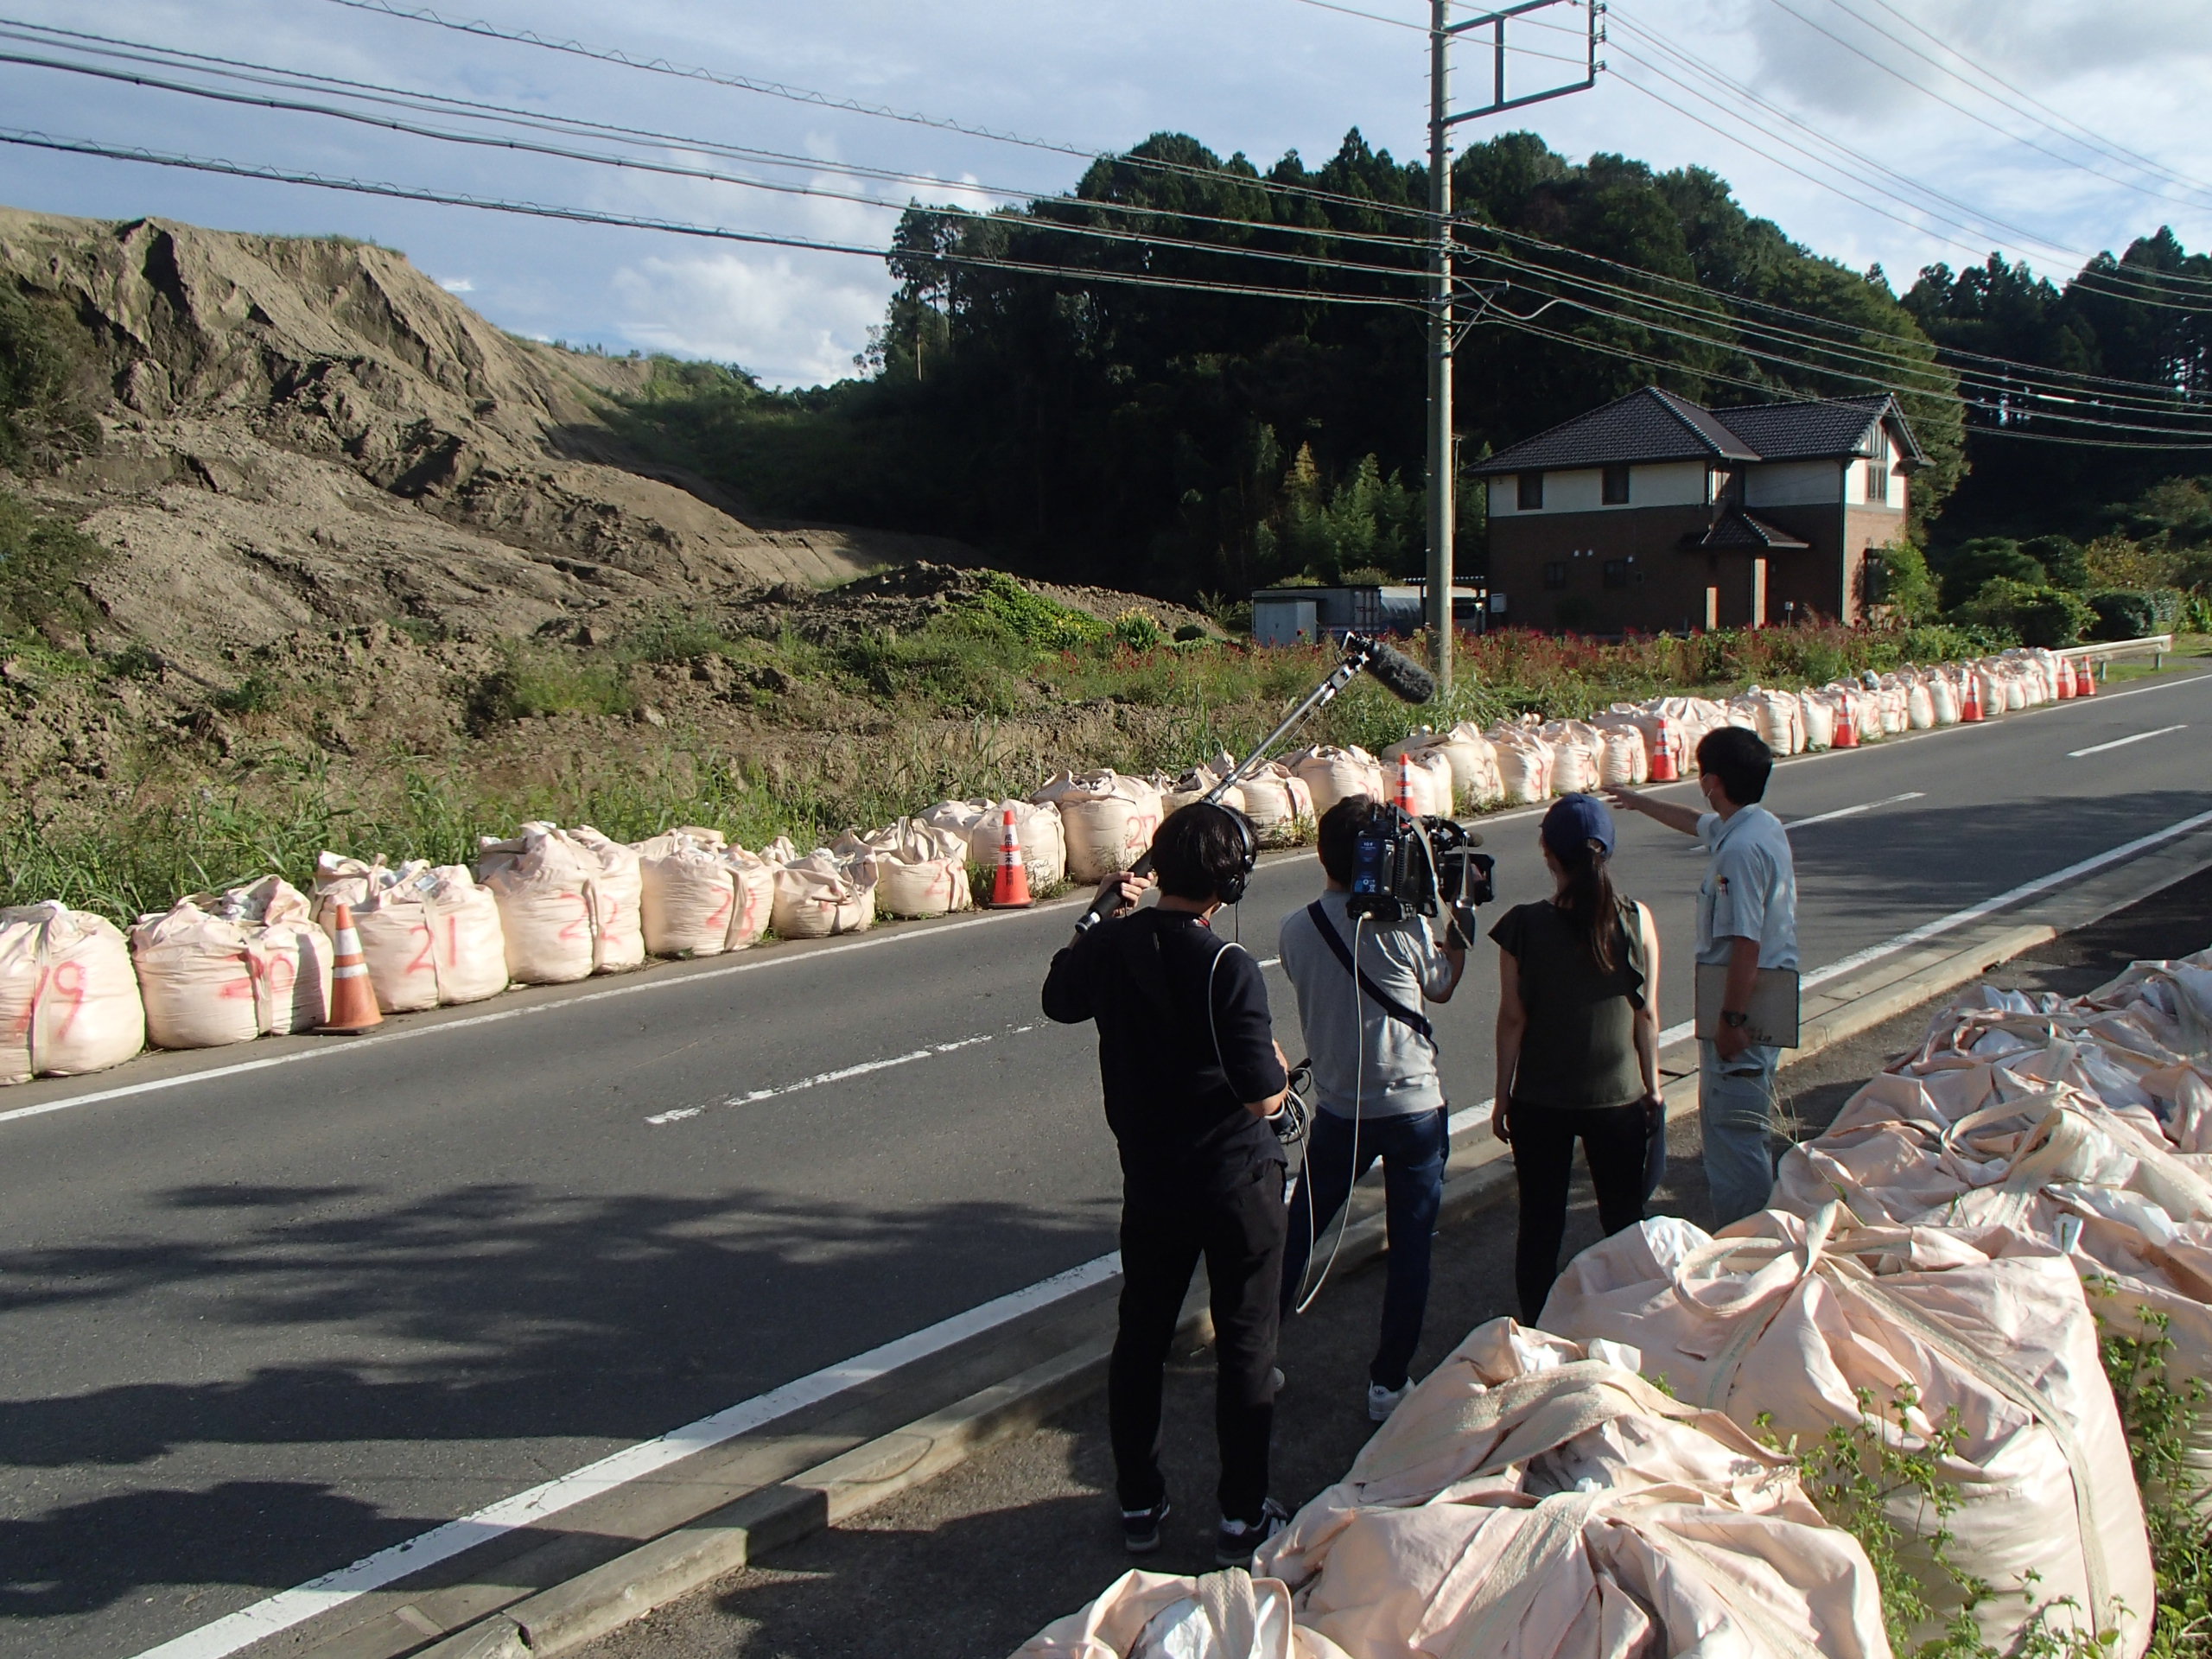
2156	645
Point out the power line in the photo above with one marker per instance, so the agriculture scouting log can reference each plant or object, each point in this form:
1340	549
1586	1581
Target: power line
1697	65
34	140
2123	284
706	175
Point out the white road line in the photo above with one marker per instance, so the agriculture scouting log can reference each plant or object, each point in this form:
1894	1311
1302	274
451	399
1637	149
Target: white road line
2122	742
839	1076
303	1602
1853	811
354	1045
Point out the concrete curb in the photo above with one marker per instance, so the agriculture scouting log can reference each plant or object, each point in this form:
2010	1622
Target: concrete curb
584	1608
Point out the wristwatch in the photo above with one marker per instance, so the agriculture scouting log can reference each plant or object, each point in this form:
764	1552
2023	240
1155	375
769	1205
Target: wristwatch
1734	1020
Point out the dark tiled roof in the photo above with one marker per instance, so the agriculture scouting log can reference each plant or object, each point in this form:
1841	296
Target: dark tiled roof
1653	425
1736	528
1646	425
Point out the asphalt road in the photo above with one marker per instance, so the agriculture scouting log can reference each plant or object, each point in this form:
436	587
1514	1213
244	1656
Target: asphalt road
262	1322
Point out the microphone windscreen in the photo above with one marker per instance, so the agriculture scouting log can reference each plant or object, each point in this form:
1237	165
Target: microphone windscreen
1402	678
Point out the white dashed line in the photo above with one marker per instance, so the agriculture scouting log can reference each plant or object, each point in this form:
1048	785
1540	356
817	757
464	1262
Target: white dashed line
1853	811
2122	742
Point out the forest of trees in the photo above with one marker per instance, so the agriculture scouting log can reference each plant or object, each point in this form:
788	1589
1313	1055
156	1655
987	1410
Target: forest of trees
1193	439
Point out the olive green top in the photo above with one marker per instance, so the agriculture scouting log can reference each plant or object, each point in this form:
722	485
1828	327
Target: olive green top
1579	1049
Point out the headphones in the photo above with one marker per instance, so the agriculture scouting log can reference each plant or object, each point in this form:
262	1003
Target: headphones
1231	888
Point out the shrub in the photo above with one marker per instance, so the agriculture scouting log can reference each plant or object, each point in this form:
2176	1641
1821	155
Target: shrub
539	681
1904	584
1030	617
2133	612
43	564
1971	567
2034	614
44	415
2063	562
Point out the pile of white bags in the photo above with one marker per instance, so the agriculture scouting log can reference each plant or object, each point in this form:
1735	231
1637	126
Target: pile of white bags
69	1000
823	894
1330	774
1524	763
1776	716
1276	800
1577	755
918	869
1195	786
1627	758
1108	819
1038	829
216	970
1427	779
431	937
700	896
1528	1500
1664	732
1782	1320
570	902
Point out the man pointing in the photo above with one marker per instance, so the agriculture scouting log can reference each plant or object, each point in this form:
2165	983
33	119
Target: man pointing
1746	921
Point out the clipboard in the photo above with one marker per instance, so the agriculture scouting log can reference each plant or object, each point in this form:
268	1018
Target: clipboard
1774	1009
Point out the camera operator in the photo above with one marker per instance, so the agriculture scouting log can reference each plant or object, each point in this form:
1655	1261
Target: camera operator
1374	1059
1191	1075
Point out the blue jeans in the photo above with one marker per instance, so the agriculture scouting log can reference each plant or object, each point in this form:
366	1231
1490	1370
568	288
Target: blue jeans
1736	1101
1413	1149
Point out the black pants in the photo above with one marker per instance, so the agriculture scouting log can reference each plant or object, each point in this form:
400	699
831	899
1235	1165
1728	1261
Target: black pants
1238	1228
1543	1163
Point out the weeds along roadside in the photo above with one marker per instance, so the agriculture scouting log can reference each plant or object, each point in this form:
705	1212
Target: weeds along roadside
986	698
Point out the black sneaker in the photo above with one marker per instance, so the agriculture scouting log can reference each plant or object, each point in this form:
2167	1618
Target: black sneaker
1235	1541
1140	1528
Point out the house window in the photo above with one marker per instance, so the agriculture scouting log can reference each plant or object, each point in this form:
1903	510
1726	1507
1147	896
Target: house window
1616	487
1555	574
1616	572
1877	476
1531	496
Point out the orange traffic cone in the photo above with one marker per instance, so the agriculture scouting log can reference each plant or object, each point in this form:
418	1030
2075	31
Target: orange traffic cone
2065	678
1010	887
1847	724
352	1000
1402	796
1970	700
1662	755
2085	678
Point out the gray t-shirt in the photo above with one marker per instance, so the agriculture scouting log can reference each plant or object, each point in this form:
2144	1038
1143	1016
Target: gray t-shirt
1360	1053
1750	890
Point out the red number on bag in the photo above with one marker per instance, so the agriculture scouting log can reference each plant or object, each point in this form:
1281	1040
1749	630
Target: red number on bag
574	930
424	961
69	983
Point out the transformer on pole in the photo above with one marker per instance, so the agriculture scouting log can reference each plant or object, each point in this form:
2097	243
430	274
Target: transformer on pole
1443	458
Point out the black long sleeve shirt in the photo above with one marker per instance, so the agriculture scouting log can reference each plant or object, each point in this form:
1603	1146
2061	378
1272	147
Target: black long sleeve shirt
1175	1082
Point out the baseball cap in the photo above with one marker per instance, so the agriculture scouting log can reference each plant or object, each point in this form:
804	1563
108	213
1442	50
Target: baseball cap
1575	819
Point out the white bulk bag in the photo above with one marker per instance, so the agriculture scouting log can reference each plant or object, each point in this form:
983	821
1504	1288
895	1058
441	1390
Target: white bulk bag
918	869
1943	698
1919	706
545	884
69	1000
618	903
1108	818
1662	733
1224	1614
821	895
1265	799
1532	1498
1524	763
217	969
431	936
1819	716
1474	765
1775	717
1577	755
1428	777
1330	774
1625	761
689	892
1780	1320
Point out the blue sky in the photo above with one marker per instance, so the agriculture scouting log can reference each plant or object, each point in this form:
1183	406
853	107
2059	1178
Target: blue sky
1263	76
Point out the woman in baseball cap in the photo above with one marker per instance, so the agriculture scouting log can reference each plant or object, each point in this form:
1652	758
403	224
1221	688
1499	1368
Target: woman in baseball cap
1578	1043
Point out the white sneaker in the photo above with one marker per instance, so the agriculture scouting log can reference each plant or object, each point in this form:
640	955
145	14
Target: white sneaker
1381	1401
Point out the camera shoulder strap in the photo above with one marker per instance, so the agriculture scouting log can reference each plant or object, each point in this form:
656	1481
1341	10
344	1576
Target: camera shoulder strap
1375	993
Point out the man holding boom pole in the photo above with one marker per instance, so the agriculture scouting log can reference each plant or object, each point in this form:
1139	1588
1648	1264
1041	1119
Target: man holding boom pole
1746	923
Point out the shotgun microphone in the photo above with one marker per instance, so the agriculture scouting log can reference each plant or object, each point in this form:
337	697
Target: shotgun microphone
1402	678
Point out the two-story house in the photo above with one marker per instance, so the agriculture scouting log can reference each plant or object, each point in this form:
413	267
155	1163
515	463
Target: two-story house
1655	513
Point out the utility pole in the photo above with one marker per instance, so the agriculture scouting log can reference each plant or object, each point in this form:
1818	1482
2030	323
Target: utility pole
1443	331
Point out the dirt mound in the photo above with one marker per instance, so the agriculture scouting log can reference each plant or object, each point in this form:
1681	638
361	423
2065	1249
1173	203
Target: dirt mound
303	433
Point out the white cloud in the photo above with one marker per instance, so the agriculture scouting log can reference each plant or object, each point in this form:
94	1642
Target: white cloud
791	319
456	284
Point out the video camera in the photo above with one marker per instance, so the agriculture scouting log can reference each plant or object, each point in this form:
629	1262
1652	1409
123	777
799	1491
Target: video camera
1403	866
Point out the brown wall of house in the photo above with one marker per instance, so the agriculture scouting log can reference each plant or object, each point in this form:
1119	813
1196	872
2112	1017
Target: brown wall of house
1668	581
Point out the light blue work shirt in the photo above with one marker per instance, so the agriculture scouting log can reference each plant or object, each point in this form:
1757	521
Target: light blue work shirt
1750	890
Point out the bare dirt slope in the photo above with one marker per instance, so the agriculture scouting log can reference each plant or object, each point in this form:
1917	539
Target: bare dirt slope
309	433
